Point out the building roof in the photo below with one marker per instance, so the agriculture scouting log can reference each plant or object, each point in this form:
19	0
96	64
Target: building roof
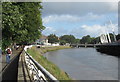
43	37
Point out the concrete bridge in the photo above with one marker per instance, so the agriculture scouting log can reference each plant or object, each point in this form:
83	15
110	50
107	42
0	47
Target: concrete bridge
83	45
23	67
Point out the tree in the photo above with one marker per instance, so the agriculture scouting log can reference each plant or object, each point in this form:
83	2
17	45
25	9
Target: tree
97	40
77	41
92	40
68	38
21	22
52	38
62	42
118	37
85	39
111	37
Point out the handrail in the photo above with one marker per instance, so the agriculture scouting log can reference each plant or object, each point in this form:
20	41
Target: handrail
34	72
42	69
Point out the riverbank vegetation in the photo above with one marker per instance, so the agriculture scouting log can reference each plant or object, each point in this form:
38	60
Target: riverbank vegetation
36	53
47	49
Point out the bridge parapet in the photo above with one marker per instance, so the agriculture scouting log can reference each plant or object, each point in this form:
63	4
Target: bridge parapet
83	45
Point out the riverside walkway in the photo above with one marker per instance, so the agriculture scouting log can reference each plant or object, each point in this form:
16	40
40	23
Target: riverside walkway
14	53
23	67
9	70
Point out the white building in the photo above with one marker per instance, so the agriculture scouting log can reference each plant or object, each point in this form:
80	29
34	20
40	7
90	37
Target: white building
43	41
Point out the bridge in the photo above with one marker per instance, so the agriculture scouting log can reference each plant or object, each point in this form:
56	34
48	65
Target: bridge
23	67
83	45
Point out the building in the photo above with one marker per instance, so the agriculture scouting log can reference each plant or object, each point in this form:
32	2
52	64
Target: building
42	41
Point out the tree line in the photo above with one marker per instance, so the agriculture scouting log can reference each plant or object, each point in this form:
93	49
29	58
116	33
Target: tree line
21	22
52	38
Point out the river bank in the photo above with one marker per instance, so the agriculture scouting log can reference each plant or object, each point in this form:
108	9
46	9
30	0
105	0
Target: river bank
37	54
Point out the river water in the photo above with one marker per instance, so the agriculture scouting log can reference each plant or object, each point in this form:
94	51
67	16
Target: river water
85	63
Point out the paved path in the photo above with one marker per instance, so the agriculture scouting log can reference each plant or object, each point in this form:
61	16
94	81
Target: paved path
3	62
23	74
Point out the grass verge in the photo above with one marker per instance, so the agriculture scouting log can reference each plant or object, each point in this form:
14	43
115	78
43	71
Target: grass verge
52	68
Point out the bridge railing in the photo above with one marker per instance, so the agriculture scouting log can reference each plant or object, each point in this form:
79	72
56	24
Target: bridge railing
37	71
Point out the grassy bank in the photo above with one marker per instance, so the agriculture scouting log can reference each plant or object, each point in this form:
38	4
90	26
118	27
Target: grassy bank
52	68
47	49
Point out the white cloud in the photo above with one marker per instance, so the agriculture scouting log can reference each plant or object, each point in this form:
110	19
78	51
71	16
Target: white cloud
49	30
54	18
96	30
71	18
53	30
79	32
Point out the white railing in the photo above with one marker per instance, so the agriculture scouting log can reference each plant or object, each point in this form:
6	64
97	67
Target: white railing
36	71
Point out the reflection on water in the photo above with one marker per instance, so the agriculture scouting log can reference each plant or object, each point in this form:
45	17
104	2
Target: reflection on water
85	63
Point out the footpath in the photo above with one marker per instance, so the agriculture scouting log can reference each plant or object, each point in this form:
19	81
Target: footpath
14	53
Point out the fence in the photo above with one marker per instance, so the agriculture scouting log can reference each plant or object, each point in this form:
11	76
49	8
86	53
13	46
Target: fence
36	71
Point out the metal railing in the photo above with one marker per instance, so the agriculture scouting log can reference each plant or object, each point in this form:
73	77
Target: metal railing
36	71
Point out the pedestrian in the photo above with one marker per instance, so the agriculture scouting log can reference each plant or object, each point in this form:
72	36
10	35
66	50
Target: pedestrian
8	54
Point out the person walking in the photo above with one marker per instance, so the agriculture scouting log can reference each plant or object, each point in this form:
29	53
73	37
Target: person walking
9	52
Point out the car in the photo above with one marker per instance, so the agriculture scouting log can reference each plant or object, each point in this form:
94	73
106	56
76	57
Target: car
38	46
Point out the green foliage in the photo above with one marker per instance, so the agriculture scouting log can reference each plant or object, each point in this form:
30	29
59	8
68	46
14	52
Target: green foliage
118	37
68	38
21	22
89	40
97	40
111	37
77	41
52	38
62	42
85	39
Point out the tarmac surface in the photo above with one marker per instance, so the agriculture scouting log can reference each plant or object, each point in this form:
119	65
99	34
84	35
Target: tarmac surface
3	57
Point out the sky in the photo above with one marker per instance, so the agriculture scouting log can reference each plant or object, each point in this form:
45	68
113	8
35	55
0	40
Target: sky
79	18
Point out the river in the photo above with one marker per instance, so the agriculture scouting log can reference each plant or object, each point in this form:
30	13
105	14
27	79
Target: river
85	63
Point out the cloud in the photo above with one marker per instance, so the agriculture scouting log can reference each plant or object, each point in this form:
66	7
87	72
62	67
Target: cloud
53	30
93	30
79	32
48	30
78	8
56	18
96	30
72	18
78	18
